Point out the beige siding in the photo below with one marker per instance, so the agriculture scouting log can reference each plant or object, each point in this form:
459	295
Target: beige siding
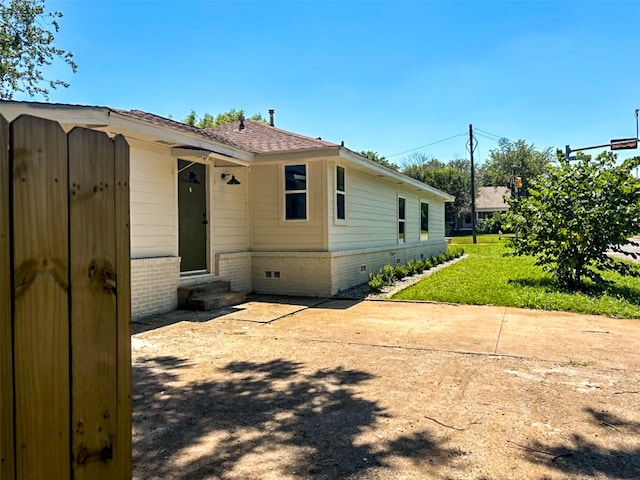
229	211
372	213
436	219
153	201
269	230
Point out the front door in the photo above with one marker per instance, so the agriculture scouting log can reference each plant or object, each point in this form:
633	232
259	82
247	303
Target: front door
192	216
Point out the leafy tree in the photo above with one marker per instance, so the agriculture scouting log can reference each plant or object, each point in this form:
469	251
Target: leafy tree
376	157
27	33
519	157
453	177
208	120
575	214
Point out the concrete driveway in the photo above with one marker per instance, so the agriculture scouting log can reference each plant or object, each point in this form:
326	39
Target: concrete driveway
282	388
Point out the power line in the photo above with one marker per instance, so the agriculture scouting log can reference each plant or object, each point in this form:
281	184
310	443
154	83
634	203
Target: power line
489	133
486	136
477	131
428	144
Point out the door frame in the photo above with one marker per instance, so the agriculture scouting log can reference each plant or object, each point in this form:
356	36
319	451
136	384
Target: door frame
207	178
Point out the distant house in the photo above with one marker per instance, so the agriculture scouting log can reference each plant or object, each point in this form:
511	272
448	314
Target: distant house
490	200
268	210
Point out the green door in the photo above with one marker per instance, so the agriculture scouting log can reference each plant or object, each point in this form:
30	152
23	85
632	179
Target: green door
192	216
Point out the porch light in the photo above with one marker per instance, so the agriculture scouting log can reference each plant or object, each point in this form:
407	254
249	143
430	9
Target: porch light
233	181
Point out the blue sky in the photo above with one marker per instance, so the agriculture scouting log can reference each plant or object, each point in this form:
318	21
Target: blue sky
387	76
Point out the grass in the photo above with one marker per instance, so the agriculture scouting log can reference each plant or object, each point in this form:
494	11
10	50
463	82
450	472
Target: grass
481	238
487	277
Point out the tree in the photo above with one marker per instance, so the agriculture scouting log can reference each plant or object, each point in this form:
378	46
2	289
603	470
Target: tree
208	120
575	214
27	33
453	177
376	157
514	157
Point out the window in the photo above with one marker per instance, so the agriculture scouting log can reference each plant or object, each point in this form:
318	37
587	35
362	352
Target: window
424	220
401	218
295	195
341	211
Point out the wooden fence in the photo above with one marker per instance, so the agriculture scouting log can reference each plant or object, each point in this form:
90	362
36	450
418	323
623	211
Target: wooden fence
65	372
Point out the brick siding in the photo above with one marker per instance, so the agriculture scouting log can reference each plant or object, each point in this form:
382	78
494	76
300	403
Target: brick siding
154	285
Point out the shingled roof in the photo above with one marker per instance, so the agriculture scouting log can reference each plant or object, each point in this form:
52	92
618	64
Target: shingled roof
492	198
258	137
167	122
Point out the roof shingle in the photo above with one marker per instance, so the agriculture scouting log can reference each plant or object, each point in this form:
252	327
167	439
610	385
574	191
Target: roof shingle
493	198
258	137
167	122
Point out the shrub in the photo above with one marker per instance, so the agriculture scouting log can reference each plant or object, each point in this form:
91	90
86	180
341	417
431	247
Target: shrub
414	266
388	274
576	215
401	272
493	224
375	283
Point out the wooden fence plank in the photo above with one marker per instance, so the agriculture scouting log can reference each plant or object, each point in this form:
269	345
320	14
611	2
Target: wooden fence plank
7	470
122	453
93	303
40	290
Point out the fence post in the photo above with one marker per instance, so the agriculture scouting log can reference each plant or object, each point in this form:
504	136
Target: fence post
94	314
7	467
40	227
123	267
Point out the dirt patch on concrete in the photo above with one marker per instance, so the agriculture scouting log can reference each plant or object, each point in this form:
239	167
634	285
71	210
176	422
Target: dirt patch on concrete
380	390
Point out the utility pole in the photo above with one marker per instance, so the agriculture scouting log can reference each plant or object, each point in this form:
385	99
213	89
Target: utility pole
637	136
473	186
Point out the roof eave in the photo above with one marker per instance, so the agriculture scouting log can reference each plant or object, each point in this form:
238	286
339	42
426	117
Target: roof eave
108	118
126	122
303	153
388	172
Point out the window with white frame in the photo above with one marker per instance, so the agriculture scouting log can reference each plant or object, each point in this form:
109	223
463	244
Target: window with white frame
424	220
295	192
402	219
341	204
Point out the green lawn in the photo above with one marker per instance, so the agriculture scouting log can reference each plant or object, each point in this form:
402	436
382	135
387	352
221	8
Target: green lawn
487	277
481	238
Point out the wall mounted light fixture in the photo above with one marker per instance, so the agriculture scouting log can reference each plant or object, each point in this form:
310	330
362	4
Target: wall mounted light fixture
233	181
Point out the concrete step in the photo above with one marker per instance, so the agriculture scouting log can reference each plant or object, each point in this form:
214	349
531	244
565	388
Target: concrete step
217	286
212	301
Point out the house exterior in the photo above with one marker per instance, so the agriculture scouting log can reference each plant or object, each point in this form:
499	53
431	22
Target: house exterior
490	200
269	210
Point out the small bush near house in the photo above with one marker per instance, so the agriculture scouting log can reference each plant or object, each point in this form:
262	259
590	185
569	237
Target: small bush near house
401	272
415	266
389	274
375	283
